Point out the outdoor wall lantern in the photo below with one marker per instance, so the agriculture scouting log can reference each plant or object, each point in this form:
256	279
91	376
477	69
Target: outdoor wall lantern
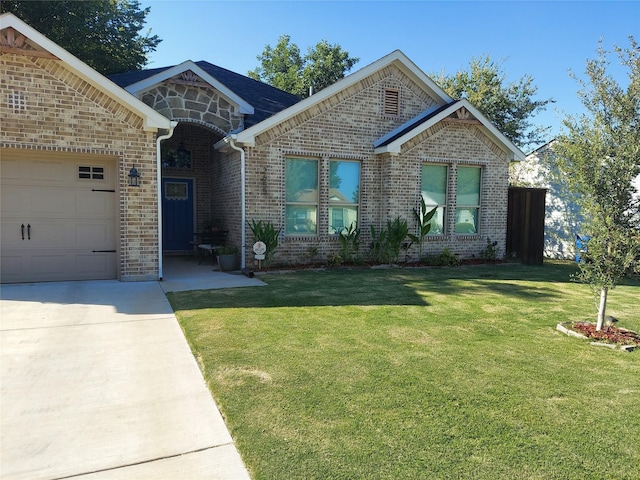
183	156
134	177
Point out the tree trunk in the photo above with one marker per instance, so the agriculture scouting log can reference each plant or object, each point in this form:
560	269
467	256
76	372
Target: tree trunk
603	308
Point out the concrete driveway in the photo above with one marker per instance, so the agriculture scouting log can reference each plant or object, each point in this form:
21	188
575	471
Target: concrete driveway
98	382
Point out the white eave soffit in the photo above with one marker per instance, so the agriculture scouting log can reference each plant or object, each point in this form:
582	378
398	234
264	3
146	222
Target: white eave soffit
152	119
395	147
243	106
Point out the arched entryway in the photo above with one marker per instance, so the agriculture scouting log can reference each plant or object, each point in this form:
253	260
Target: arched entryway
187	185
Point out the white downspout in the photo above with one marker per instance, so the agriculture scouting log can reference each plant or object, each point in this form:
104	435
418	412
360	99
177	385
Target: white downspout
231	140
159	187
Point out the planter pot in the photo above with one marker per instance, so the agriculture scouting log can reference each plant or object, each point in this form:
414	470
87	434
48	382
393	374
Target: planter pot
227	262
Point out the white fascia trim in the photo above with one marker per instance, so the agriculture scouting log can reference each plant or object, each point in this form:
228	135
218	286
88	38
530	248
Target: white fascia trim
247	137
514	153
152	119
243	106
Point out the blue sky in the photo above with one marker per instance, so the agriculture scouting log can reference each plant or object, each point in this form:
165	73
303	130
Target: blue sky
538	38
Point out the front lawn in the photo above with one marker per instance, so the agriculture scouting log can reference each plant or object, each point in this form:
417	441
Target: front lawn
452	373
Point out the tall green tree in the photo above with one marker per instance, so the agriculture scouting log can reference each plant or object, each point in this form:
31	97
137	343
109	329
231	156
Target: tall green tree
284	67
509	105
599	156
105	34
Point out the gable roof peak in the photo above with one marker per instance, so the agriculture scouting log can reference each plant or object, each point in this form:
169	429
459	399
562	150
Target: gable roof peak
43	46
396	57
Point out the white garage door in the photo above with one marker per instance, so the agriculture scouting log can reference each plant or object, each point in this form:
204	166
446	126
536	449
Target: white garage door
58	217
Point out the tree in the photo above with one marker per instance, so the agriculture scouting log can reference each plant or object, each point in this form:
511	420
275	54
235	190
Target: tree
510	106
285	68
102	33
600	158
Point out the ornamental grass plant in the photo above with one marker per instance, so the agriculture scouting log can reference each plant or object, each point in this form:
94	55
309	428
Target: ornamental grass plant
426	373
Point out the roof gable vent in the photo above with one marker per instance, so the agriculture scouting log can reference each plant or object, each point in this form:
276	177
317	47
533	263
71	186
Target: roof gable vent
391	102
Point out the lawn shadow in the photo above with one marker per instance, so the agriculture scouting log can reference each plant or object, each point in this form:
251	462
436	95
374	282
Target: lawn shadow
388	287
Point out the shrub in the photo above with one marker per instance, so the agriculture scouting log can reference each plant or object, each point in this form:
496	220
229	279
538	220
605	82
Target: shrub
266	233
446	258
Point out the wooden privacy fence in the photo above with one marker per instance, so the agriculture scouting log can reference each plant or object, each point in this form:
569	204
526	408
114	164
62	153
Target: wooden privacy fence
525	224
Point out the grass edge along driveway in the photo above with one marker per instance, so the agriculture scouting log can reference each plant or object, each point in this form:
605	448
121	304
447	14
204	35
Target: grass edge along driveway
419	373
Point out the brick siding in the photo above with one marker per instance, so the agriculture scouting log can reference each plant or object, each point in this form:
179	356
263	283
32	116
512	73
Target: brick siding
64	113
344	127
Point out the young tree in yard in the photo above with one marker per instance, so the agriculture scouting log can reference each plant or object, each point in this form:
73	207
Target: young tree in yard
510	106
285	68
102	33
600	158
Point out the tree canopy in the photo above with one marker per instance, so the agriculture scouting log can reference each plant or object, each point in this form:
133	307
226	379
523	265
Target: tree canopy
599	156
105	34
510	106
284	67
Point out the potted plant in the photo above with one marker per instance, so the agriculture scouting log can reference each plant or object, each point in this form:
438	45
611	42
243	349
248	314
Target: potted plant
227	255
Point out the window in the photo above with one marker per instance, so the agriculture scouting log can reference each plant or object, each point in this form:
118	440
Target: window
434	192
176	191
468	200
90	173
391	102
301	186
344	193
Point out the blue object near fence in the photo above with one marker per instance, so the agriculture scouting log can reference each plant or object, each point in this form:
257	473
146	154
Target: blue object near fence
581	246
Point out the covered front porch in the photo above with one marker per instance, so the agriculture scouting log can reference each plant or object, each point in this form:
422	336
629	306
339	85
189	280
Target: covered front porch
183	273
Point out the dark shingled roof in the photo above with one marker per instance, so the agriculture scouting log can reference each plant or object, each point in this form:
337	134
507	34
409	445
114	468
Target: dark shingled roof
413	123
265	99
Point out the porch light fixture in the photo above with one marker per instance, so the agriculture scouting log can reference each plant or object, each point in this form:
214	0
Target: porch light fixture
183	156
134	177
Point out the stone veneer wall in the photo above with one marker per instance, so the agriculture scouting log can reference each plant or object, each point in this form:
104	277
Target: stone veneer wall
195	104
64	113
345	127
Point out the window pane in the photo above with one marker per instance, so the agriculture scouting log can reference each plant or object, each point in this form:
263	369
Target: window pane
468	186
301	180
437	222
467	220
434	184
341	217
344	182
301	219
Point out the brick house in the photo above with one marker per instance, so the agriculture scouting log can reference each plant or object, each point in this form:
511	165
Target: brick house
229	149
383	137
365	148
69	139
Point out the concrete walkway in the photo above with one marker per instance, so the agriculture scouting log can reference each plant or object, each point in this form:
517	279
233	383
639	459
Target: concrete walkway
98	382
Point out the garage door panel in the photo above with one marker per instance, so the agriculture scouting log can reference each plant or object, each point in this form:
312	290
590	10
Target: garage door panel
98	236
95	204
12	266
95	264
12	171
73	230
50	172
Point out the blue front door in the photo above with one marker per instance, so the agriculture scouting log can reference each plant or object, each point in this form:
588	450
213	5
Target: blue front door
177	214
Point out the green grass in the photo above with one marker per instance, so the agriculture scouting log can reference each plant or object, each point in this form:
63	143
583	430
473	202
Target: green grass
419	373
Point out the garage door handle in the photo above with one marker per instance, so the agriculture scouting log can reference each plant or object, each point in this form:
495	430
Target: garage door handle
28	231
22	230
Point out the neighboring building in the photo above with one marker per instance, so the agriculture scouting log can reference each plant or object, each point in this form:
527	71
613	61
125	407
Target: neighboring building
563	220
563	217
214	146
